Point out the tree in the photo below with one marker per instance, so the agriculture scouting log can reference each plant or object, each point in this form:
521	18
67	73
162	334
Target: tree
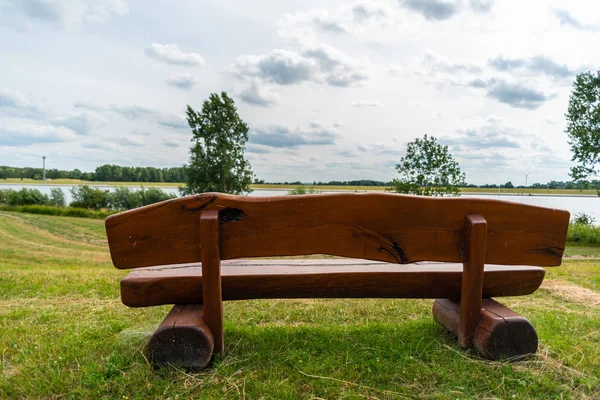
583	124
428	169
217	162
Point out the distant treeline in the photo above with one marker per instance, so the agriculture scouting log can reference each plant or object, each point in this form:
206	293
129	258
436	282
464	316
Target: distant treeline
117	173
104	173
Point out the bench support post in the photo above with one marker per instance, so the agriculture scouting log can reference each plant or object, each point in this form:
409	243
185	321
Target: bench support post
500	333
474	245
211	276
182	340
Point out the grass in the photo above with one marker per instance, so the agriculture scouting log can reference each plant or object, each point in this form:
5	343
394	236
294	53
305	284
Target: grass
65	334
58	211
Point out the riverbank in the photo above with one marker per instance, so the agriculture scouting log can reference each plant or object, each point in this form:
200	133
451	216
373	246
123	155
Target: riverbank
325	188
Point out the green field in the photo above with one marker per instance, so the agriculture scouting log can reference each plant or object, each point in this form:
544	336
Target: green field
65	334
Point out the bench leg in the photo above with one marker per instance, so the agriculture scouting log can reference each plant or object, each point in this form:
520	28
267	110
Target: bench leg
500	333
183	339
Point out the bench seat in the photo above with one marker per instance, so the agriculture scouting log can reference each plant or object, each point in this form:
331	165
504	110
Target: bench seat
327	278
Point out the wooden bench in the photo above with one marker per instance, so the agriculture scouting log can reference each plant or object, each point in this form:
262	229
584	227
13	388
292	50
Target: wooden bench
177	247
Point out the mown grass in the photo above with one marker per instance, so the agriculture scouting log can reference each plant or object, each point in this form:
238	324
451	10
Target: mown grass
65	334
58	211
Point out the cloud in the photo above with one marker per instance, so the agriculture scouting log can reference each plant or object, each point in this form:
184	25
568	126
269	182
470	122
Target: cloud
437	10
282	137
534	65
513	94
70	14
28	134
319	63
488	136
258	94
15	104
282	67
366	104
517	95
346	153
438	63
81	124
257	149
324	23
130	141
172	54
89	106
173	121
481	6
362	12
565	18
182	81
134	112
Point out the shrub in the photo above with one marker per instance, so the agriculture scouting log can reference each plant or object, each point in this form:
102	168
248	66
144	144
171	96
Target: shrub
91	198
61	211
583	235
303	189
153	195
57	197
583	219
23	197
124	199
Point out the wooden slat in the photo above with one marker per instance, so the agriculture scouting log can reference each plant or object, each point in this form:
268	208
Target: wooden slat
373	226
475	239
265	279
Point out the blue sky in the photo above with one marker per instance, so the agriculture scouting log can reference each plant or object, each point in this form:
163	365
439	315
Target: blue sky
330	90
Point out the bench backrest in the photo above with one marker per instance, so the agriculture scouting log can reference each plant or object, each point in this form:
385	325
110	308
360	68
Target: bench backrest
373	226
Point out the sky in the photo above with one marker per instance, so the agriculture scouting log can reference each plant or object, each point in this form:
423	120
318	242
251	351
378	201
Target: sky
330	90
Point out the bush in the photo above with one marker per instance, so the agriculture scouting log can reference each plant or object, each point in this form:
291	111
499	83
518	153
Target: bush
124	199
91	198
57	197
153	195
583	235
23	197
60	211
303	189
583	219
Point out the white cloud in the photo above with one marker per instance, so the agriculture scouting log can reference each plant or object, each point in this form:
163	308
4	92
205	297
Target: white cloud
259	94
70	14
182	81
366	104
30	134
172	54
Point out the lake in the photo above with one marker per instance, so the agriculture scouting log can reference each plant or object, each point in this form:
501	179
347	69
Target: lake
574	204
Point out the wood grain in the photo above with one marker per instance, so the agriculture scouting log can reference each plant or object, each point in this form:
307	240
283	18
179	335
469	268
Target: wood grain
211	271
330	278
183	339
474	245
500	333
372	226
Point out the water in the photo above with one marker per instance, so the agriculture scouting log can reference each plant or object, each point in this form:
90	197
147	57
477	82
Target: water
574	204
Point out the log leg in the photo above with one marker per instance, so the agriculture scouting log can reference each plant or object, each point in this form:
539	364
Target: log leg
500	333
183	339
